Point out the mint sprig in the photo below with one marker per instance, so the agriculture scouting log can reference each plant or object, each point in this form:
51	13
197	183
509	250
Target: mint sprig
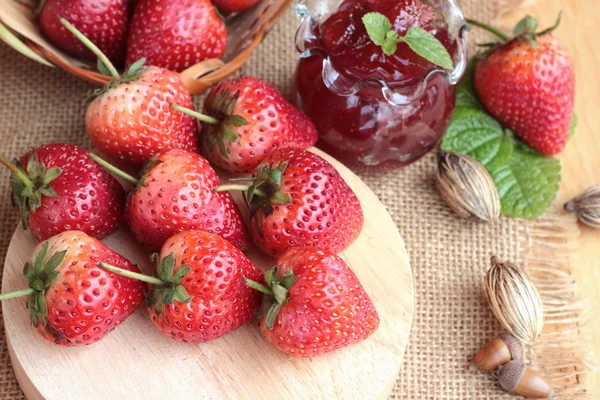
527	182
419	40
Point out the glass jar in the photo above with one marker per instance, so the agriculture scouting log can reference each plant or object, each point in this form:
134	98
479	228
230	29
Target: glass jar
368	107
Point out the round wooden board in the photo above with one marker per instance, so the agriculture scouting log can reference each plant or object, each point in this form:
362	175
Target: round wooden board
136	361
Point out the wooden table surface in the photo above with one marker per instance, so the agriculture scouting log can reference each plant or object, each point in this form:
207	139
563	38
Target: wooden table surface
581	160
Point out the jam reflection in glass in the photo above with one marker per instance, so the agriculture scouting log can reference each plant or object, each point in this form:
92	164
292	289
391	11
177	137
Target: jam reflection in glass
368	106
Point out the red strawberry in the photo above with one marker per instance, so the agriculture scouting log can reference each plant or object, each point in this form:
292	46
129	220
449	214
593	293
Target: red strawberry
58	187
130	119
175	34
104	22
72	301
174	194
528	84
246	120
314	304
199	294
233	6
298	199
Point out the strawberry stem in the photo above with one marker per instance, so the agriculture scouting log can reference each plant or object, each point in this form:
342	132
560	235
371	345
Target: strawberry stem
488	28
88	43
240	188
130	274
199	116
17	293
15	170
112	169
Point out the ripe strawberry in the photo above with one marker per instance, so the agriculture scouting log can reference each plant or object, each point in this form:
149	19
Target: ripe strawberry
174	194
104	22
199	294
72	301
246	120
175	34
58	187
528	84
298	199
129	119
233	6
314	304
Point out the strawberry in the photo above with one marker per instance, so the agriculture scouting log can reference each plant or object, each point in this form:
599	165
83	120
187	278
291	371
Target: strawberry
198	294
298	199
104	22
58	187
175	34
174	194
314	304
72	301
233	6
129	119
246	120
528	84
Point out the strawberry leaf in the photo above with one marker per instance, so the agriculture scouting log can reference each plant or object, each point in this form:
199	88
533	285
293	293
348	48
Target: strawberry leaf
526	25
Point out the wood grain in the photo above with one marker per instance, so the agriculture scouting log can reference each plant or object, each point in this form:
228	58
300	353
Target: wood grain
136	361
581	160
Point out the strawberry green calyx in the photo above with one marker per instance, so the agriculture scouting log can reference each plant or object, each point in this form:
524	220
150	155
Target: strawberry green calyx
264	192
41	275
220	121
105	67
151	163
167	285
526	29
30	185
276	293
379	29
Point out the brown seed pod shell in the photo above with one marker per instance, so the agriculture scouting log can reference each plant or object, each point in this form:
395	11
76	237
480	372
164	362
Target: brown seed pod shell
515	377
497	352
587	206
514	301
467	187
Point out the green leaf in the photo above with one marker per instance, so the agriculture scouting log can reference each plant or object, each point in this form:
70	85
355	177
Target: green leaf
52	174
39	259
236	120
48	191
229	134
181	295
257	286
378	26
280	293
103	69
136	67
54	261
182	272
275	175
527	184
526	25
165	267
573	126
37	284
170	296
272	314
43	308
428	46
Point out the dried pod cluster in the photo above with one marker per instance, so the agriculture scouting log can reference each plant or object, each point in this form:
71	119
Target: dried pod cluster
467	187
514	300
587	206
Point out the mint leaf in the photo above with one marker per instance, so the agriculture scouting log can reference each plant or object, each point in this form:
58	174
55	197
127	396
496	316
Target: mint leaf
573	126
527	183
427	46
378	26
475	133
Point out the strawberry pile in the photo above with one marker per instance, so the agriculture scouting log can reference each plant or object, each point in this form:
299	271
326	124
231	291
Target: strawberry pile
204	286
169	34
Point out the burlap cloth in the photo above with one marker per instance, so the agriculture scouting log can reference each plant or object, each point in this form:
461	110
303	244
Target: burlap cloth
449	256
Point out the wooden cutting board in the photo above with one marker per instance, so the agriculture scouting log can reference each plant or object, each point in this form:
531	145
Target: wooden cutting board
136	361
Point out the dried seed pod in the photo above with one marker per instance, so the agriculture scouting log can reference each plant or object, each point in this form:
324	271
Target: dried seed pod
515	377
514	300
467	187
497	352
587	206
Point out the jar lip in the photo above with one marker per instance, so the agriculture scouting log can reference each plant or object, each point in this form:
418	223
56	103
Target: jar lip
343	86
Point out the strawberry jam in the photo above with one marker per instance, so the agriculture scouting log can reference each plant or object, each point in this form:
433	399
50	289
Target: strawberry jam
354	117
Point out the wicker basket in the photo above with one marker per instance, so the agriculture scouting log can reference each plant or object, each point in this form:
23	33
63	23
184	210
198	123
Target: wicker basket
246	31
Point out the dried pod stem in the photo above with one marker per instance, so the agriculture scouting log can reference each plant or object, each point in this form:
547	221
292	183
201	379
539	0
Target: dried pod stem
497	352
587	206
467	187
514	300
515	377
